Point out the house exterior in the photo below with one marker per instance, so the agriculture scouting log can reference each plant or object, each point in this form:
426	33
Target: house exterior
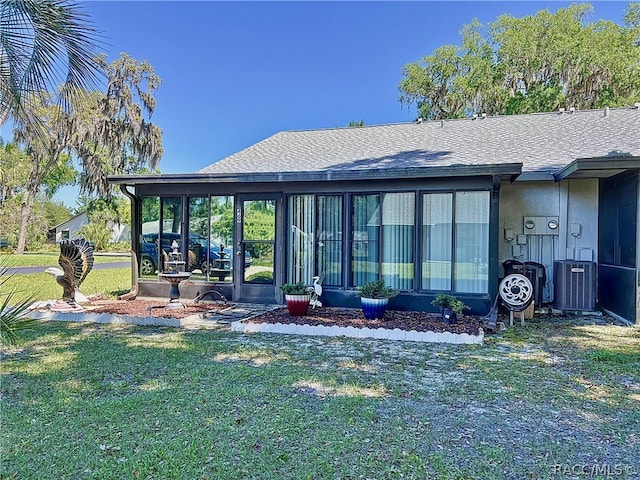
70	229
430	207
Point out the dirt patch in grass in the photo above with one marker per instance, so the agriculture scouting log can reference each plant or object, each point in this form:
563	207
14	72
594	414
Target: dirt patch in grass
351	317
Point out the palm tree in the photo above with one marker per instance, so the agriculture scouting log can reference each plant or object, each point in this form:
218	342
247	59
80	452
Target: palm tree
45	46
13	317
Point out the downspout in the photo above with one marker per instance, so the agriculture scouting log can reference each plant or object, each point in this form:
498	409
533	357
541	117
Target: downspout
135	234
638	253
494	236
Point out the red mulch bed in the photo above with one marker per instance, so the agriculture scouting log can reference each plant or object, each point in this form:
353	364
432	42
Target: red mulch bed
328	316
150	308
344	317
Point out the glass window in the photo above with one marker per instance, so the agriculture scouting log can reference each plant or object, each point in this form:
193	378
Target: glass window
383	239
259	220
171	229
171	215
150	218
329	230
315	241
365	247
259	233
197	254
221	239
207	253
471	272
301	238
437	231
398	225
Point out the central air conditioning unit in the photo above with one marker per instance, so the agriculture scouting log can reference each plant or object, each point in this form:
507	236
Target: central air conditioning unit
574	285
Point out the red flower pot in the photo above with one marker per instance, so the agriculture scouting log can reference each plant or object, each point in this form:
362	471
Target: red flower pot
298	305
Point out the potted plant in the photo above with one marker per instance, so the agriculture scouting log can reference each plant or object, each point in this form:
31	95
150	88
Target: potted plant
450	307
297	296
374	297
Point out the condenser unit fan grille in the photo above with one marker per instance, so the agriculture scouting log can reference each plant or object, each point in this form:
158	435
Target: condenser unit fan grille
575	285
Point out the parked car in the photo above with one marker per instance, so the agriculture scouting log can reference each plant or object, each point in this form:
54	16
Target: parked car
217	263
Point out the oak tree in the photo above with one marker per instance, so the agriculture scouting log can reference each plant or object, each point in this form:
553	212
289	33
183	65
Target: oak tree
531	64
108	133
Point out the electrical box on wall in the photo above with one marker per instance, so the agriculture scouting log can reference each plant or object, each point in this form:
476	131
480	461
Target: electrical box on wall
509	234
540	225
575	229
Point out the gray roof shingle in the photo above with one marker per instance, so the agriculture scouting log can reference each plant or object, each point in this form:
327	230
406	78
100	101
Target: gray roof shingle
542	142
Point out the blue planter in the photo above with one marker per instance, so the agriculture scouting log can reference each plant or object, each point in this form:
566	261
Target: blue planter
374	307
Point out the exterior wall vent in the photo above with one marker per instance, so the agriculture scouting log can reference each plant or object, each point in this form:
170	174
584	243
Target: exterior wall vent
575	285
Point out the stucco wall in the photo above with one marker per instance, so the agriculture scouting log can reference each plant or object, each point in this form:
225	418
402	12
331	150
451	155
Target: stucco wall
571	201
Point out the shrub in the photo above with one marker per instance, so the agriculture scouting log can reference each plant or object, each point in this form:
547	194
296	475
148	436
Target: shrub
299	288
443	300
376	289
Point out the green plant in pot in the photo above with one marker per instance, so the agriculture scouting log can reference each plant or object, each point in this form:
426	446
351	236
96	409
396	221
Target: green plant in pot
374	298
450	307
297	296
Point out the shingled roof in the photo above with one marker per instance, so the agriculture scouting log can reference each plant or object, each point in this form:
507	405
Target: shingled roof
542	142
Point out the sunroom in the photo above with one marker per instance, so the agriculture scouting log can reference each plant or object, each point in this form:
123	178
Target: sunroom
424	230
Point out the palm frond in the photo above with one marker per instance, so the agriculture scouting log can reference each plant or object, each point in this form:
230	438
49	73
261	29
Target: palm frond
14	319
45	46
13	316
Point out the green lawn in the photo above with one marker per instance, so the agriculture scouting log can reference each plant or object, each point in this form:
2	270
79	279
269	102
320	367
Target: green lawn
48	259
116	402
42	286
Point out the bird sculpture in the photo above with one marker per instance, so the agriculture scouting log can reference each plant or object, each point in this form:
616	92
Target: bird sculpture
317	291
76	260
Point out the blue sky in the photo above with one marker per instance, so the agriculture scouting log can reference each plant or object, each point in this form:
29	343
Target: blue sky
234	73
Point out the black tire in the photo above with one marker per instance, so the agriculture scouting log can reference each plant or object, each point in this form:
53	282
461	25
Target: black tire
204	267
147	266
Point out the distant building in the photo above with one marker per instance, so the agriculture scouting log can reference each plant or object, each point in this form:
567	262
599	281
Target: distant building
70	229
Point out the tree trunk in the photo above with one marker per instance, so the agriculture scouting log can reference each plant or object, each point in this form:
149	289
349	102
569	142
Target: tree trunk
25	215
34	180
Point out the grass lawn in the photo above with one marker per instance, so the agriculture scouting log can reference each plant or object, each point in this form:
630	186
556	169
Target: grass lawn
42	286
114	402
49	259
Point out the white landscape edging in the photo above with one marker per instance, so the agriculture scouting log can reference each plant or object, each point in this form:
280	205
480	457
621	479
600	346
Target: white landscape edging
90	317
377	333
